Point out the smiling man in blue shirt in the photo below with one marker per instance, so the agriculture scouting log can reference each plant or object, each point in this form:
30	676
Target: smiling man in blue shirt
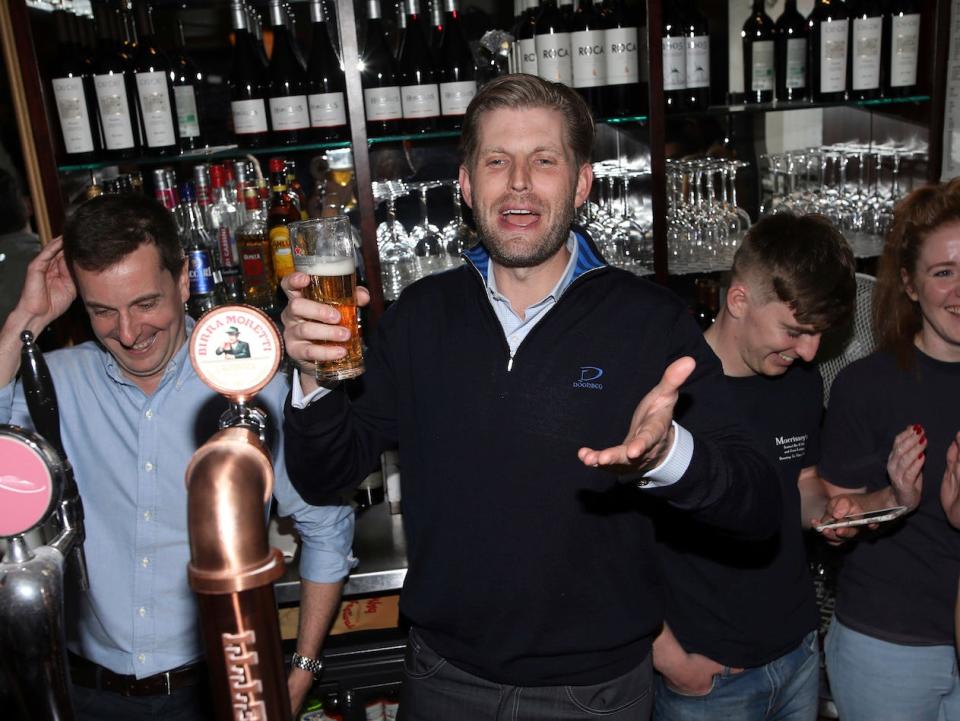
132	413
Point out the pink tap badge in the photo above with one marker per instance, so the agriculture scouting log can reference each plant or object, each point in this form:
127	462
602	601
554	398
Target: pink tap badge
27	492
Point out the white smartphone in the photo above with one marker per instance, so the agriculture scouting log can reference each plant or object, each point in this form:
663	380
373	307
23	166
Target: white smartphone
863	519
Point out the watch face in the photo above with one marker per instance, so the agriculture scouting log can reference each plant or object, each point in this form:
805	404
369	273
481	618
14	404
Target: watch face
30	481
236	350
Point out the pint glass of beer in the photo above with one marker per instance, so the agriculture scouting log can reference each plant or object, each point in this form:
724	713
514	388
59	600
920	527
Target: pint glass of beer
323	249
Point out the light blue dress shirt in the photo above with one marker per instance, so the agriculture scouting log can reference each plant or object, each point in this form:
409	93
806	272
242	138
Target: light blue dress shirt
129	453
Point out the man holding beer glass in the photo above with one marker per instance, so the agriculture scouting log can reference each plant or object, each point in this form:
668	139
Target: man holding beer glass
532	585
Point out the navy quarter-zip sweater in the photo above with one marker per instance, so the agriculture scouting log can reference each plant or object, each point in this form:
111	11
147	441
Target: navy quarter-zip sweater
525	566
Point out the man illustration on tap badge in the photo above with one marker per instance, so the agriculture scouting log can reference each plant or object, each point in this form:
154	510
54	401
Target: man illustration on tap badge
133	411
547	406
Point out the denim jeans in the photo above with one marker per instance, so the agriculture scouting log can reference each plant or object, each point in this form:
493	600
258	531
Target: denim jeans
436	690
874	680
785	689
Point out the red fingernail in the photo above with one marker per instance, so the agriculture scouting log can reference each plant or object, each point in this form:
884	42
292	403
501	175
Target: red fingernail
923	439
920	457
917	428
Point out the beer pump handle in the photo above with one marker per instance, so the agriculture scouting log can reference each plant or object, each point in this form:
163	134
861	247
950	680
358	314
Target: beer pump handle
41	397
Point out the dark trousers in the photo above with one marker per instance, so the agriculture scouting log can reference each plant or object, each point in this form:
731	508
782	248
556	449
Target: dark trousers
186	704
436	690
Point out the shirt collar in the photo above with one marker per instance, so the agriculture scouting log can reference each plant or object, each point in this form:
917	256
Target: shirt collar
561	285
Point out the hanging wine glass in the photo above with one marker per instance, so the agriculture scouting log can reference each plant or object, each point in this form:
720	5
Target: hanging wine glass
425	236
457	235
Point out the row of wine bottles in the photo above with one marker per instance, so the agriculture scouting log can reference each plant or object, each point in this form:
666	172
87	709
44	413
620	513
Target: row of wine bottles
597	48
858	50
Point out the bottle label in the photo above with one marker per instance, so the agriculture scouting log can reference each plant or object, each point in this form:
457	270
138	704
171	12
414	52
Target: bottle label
156	108
282	254
455	97
420	101
866	53
200	271
589	58
114	111
698	61
674	64
553	57
833	56
188	119
227	246
762	65
72	109
327	110
290	112
383	103
796	70
903	50
528	56
249	116
622	48
254	269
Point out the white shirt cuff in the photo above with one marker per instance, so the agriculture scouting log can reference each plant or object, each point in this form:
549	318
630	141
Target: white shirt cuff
297	399
675	464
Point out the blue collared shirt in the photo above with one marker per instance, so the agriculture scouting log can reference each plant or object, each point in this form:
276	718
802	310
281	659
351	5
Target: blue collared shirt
129	452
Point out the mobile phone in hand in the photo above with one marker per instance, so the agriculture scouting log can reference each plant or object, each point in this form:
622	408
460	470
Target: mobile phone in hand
864	519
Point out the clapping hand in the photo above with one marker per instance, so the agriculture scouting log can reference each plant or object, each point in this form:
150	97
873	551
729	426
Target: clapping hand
905	466
950	487
651	431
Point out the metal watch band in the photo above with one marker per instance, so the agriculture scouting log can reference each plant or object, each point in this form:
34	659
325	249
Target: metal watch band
313	665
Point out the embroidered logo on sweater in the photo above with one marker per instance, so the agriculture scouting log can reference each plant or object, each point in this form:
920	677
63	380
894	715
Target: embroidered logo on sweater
589	375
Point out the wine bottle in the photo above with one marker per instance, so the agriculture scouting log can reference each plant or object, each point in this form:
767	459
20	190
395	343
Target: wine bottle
419	92
325	82
457	70
791	53
828	42
903	47
674	58
154	75
248	84
72	83
435	31
381	89
866	40
527	39
697	34
187	92
621	40
289	111
552	41
588	48
116	90
758	56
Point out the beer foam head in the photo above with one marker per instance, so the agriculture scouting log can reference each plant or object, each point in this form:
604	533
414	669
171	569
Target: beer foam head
324	265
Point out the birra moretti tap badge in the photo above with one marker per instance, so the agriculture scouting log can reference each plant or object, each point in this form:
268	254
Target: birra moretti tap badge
236	349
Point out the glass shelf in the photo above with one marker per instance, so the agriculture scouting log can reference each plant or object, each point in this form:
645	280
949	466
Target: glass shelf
800	105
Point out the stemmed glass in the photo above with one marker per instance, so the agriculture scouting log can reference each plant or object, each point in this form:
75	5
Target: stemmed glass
425	236
457	235
398	263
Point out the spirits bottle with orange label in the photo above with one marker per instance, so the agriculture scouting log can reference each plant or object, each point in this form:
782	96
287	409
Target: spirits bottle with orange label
282	213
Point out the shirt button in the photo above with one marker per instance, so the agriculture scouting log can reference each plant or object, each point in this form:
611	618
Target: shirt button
142	611
148	466
141	658
145	562
149	413
147	516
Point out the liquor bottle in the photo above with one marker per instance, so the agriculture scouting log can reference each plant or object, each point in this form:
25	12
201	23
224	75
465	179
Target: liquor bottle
758	36
201	269
295	189
588	48
289	111
223	221
419	92
72	82
381	89
791	54
188	93
325	82
552	41
116	90
154	76
248	84
697	34
828	41
902	48
866	41
527	38
621	38
282	213
674	58
457	70
256	256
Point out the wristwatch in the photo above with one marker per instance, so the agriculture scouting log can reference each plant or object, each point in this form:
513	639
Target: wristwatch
313	665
